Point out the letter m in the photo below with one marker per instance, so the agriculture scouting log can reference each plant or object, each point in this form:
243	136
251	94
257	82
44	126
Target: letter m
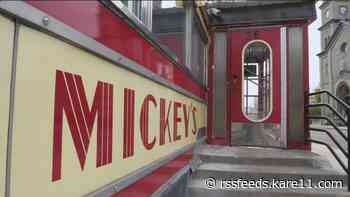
71	100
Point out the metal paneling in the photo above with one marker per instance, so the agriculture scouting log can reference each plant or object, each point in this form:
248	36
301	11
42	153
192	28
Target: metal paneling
284	87
6	43
219	80
256	134
295	84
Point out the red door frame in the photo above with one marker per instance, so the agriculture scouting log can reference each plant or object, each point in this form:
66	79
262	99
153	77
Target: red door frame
272	36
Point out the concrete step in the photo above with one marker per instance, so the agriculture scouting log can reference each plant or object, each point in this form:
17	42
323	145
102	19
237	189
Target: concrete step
225	165
224	171
263	156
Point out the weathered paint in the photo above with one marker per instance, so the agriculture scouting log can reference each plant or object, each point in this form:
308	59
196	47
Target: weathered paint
6	43
51	113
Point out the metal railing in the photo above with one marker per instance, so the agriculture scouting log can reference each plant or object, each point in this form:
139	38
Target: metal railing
345	121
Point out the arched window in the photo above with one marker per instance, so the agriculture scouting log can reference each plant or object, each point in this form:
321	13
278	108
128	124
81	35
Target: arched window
257	81
344	47
342	92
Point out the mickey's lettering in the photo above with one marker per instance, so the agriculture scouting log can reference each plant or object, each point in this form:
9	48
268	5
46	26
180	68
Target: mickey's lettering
71	101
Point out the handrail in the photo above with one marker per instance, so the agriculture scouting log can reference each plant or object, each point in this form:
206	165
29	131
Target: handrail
329	107
333	153
336	128
331	95
333	139
330	122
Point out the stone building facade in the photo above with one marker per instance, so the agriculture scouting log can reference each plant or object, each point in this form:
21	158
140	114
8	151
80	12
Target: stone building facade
335	43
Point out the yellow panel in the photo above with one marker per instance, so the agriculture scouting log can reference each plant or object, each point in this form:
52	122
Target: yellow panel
39	57
6	44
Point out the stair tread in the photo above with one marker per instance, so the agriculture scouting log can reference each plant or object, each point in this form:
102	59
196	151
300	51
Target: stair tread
255	153
267	169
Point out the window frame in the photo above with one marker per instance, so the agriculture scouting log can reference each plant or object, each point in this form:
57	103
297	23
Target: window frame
271	81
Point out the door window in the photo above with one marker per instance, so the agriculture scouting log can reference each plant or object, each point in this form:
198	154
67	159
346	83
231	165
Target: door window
257	81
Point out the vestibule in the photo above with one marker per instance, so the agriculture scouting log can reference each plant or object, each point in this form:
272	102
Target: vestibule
259	73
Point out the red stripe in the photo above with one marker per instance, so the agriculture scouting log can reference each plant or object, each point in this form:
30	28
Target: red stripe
83	101
161	119
105	131
132	122
100	134
142	124
74	129
110	125
102	124
124	125
57	135
129	121
146	121
83	133
167	120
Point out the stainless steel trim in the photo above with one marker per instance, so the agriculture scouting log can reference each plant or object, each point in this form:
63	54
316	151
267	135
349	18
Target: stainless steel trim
188	35
284	87
256	134
220	84
295	85
124	182
33	17
11	111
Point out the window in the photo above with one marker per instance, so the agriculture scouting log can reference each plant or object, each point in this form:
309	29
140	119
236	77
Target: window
343	10
142	10
198	50
326	41
344	47
180	30
177	27
166	19
327	14
257	81
169	26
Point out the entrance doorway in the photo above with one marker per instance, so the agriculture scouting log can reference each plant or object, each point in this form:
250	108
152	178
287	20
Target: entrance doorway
254	90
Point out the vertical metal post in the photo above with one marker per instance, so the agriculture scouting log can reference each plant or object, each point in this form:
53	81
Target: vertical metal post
306	114
348	132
